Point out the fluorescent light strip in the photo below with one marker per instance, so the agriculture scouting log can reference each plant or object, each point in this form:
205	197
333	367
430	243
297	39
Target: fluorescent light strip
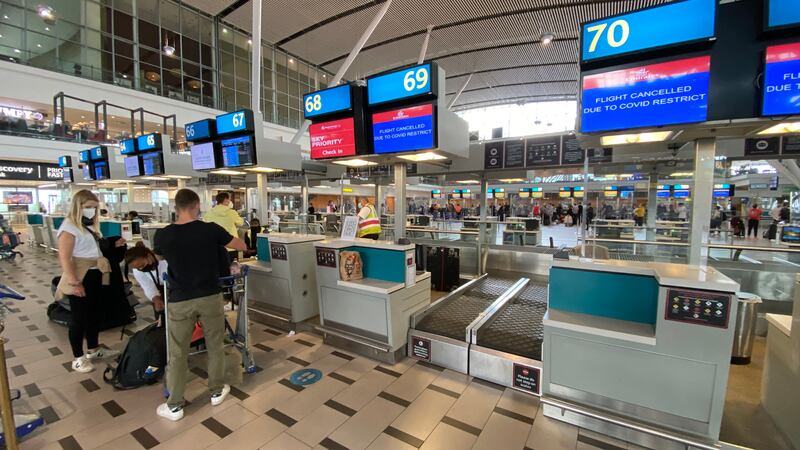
427	156
782	128
227	172
640	138
263	169
356	163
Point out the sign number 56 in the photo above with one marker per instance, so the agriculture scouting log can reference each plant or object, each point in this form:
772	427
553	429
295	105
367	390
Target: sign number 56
416	79
617	33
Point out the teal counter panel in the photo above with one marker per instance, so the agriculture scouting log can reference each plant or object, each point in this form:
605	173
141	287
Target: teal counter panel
262	249
382	264
57	222
613	295
35	219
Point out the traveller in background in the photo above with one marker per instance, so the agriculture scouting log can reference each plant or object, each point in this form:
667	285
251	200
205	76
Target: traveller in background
458	210
638	215
737	225
331	207
775	213
753	218
224	215
133	216
589	215
537	211
369	224
85	272
149	274
716	218
194	294
251	237
785	214
683	213
501	213
579	217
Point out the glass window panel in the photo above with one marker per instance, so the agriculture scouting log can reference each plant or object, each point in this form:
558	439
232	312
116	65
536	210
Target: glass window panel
294	89
149	56
92	59
125	6
206	55
208	94
170	16
207	74
12	15
294	118
38	44
242	68
150	78
15	2
206	29
225	38
193	90
242	85
282	98
92	39
147	10
149	35
123	66
226	62
189	24
106	43
282	117
12	36
268	94
106	19
228	100
268	112
123	25
266	77
227	80
280	63
243	99
191	49
242	47
282	84
191	70
92	15
123	48
69	53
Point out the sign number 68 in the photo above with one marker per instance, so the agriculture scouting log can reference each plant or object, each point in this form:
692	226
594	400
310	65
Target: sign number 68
416	79
313	103
620	27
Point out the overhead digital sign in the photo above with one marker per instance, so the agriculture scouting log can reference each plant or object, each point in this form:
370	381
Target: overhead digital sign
149	142
723	190
235	122
333	139
65	161
98	153
327	101
101	171
153	163
85	156
680	190
133	166
610	192
668	93
405	129
203	156
782	13
675	23
201	130
782	80
401	84
238	152
577	192
127	146
68	175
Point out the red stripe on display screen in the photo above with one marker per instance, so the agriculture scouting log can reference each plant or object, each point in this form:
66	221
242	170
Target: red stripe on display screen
405	113
782	53
634	75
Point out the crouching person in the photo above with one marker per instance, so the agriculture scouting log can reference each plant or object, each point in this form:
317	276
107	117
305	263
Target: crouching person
191	248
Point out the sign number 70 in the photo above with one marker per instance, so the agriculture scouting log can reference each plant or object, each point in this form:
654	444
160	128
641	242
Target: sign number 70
618	26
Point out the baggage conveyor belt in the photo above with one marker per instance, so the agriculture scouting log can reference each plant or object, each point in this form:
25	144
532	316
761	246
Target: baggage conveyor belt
518	329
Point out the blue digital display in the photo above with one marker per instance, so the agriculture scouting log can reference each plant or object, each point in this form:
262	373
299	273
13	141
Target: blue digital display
783	13
668	93
235	122
404	130
99	153
238	152
671	24
327	101
101	171
198	131
149	142
64	161
85	156
400	84
782	80
153	163
127	147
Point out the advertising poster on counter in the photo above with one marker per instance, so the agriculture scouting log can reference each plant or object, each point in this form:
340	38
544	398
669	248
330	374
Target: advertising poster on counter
668	93
333	139
782	80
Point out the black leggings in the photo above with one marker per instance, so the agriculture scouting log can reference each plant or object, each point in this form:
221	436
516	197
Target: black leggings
752	225
86	314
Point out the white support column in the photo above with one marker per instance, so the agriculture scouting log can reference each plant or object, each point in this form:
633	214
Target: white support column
181	184
130	196
379	206
482	225
304	199
652	206
263	199
704	152
350	58
255	52
399	201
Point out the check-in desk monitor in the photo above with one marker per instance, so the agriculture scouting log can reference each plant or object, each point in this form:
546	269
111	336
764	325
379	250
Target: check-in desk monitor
648	342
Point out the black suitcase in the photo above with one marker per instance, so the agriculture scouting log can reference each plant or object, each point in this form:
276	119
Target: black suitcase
434	266
772	231
452	274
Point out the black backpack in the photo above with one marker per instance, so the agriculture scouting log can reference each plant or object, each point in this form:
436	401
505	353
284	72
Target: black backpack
143	361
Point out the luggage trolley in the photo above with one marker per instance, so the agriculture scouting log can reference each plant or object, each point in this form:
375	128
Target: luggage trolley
234	286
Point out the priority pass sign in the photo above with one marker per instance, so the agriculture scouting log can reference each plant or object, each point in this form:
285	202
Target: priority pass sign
527	378
494	155
421	348
21	170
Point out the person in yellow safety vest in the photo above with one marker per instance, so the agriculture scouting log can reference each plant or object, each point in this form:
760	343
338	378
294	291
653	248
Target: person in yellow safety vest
369	224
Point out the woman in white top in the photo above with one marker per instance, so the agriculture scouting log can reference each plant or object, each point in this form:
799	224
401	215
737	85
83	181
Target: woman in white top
149	274
85	271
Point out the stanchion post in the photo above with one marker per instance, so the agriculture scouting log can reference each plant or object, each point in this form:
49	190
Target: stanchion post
9	429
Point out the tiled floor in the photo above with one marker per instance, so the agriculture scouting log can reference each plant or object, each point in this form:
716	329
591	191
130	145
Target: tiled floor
358	403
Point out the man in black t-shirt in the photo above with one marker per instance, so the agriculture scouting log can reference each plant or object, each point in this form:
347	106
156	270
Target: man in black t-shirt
192	248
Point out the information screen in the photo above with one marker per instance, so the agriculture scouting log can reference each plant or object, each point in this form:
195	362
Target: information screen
577	192
235	122
127	147
536	192
18	197
64	161
680	191
101	171
782	80
663	191
782	13
565	192
149	142
238	152
790	234
333	139
667	93
723	190
671	24
99	153
153	163
610	192
85	156
68	177
133	167
198	131
403	130
436	193
400	84
203	156
87	173
327	101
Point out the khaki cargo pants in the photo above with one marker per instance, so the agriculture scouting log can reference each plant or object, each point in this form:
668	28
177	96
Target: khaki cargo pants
181	320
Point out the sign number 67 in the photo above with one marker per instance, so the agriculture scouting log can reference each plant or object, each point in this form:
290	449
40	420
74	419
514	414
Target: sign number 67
620	27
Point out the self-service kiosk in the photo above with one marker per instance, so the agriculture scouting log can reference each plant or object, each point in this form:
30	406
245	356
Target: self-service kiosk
370	315
639	351
281	285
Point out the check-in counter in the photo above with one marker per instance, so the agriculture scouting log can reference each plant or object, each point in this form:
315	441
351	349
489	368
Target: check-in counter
148	232
122	228
645	344
780	395
282	282
370	315
36	229
51	225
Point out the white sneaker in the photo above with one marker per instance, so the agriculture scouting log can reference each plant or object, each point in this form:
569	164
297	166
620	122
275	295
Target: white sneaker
101	353
82	365
219	397
173	414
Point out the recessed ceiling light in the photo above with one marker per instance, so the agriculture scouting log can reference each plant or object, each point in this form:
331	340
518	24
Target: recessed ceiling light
5	16
228	172
546	38
39	45
427	156
83	117
291	61
46	28
250	42
1	35
16	50
224	30
323	75
124	76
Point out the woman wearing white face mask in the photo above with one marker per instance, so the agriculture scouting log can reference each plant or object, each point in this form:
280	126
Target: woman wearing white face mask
85	272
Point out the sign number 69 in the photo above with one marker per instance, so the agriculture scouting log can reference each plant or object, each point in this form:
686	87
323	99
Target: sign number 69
416	79
618	27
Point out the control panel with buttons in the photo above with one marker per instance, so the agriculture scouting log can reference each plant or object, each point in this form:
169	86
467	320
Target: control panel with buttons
698	307
326	257
277	251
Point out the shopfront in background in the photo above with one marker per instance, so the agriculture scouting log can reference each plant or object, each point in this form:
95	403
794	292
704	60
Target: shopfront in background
29	186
